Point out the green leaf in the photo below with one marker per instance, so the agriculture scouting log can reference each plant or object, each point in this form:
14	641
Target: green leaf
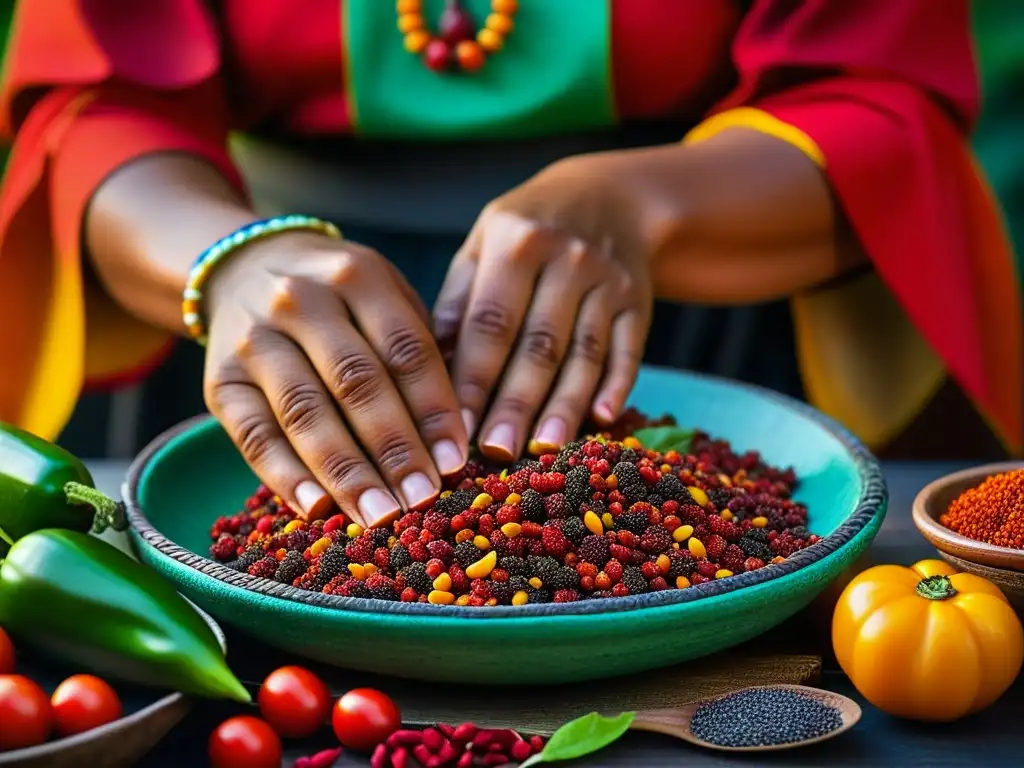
582	736
664	439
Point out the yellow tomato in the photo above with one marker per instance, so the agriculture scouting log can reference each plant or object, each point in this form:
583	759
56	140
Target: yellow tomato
926	642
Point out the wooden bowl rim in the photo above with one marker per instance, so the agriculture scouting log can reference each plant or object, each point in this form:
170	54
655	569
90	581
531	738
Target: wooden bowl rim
171	700
943	538
872	503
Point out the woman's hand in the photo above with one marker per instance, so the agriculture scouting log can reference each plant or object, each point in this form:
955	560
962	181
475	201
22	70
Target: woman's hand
547	307
321	367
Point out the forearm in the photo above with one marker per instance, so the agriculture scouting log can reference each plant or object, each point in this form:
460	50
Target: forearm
741	217
147	223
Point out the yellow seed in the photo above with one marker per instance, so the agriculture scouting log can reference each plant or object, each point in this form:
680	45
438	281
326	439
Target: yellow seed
357	571
663	563
611	482
491	601
696	547
465	534
511	529
392	540
443	583
666	468
482	542
725	480
698	495
682	582
463	600
437	597
778	559
608	520
445	494
503	475
682	533
631	442
513	498
520	598
723	573
593	522
675	545
408	6
759	522
482	568
482	501
352	530
479	482
536	583
294	525
726	514
320	545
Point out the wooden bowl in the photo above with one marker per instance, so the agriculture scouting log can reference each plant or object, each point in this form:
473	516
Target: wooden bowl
148	716
1000	565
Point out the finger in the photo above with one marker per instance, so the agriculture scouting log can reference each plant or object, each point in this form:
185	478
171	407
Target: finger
410	294
629	333
359	383
539	353
581	372
509	263
414	363
450	306
310	419
247	417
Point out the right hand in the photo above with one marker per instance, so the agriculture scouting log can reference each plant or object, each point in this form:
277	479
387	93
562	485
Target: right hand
321	367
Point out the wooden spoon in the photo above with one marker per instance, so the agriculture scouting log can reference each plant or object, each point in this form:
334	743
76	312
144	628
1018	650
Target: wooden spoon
676	721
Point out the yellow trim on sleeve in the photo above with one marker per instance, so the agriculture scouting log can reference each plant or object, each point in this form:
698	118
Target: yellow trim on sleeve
756	120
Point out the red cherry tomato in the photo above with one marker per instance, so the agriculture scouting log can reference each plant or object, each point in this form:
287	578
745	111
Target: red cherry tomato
245	742
295	702
25	716
363	718
6	653
84	702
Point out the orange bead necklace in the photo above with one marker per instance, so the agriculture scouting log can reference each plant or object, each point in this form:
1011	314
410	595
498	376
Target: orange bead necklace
458	44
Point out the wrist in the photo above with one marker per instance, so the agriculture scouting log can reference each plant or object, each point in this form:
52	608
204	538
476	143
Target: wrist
224	265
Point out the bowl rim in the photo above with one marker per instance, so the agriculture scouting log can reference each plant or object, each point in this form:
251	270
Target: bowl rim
871	503
941	537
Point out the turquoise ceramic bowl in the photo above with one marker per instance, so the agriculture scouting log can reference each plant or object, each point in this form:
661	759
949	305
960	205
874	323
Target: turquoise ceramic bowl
192	474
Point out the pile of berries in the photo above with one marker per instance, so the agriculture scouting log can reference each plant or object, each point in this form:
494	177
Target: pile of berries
600	518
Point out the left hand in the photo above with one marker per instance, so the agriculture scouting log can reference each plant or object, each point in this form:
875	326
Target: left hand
547	306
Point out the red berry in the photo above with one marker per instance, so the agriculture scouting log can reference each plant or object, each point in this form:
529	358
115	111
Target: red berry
458	523
409	595
753	563
601	581
620	552
698	578
456	25
587	569
715	546
555	543
650	570
508	514
627	539
587	583
485	525
435	568
658	583
418	551
613	568
706	568
620	590
495	488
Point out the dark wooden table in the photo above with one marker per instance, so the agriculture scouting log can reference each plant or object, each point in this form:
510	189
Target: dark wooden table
991	738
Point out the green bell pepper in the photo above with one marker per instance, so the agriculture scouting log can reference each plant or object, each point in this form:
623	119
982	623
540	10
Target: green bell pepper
44	486
86	602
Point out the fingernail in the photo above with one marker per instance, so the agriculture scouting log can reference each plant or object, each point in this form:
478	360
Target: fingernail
376	505
418	490
312	499
551	433
469	421
502	438
447	457
604	411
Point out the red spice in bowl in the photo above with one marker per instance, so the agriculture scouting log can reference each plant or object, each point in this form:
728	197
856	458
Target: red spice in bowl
992	512
602	518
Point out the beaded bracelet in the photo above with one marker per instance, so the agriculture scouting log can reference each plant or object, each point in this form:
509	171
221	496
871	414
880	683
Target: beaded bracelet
192	298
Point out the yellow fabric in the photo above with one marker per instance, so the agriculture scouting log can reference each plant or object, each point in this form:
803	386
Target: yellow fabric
861	359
